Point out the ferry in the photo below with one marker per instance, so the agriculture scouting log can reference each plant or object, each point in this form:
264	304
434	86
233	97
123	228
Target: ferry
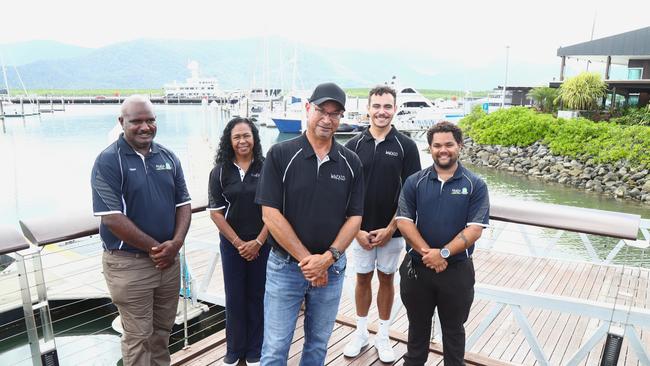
195	86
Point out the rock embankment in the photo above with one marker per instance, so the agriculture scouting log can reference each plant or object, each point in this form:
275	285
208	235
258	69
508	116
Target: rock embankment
619	180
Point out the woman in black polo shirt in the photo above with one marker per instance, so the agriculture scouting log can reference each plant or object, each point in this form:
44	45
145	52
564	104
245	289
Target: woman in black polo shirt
232	186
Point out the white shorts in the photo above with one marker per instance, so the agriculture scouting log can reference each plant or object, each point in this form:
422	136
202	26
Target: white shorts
385	258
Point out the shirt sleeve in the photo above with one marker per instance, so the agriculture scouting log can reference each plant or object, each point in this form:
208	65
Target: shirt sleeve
411	161
182	195
216	201
106	184
270	186
355	205
407	206
479	205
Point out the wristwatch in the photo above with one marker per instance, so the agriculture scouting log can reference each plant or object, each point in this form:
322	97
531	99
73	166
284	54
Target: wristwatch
335	253
445	253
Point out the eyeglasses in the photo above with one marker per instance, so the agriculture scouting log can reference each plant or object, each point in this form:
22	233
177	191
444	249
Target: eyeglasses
334	116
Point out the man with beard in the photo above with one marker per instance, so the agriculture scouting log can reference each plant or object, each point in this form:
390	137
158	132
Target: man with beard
140	194
388	158
442	212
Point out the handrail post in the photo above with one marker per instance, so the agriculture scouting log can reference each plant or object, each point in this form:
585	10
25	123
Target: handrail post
184	287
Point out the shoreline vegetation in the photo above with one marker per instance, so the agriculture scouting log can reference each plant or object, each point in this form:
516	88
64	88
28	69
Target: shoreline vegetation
602	157
352	92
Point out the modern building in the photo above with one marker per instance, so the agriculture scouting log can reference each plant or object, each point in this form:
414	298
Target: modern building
630	49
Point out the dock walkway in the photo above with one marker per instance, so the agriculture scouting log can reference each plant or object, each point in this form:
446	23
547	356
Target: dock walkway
560	335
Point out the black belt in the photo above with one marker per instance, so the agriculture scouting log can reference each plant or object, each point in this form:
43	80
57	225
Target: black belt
124	253
280	252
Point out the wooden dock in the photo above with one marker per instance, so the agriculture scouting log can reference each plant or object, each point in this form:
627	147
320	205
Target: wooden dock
560	334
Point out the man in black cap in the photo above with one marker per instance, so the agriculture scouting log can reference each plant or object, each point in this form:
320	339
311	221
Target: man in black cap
311	192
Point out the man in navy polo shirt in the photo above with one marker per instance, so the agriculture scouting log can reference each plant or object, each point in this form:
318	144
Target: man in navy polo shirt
140	194
442	212
388	158
311	192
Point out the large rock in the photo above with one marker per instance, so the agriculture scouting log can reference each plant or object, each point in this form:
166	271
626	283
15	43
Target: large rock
620	192
646	187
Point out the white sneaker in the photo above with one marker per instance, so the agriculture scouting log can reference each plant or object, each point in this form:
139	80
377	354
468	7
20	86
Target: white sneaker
385	350
354	347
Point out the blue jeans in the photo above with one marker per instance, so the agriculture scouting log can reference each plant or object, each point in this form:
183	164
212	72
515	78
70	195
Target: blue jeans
286	288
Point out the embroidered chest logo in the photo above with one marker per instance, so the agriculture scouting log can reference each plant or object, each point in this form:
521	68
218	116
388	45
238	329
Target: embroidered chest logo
340	177
255	175
463	191
392	153
165	166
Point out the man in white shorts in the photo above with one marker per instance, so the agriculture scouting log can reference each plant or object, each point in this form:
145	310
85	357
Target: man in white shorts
388	157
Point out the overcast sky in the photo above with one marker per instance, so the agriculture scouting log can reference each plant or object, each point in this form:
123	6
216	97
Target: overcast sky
471	32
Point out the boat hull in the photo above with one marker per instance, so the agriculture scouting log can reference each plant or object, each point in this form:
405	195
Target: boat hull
288	125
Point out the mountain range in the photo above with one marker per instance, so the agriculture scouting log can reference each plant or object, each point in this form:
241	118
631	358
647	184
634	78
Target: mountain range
239	64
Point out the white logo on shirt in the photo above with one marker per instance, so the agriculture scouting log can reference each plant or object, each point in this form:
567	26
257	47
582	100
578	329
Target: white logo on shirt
459	191
340	177
255	175
392	153
131	169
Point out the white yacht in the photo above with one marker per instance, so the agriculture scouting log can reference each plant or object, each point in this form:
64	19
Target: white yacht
417	113
195	86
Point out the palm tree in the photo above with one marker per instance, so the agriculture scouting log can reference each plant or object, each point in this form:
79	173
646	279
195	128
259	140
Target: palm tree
582	92
544	97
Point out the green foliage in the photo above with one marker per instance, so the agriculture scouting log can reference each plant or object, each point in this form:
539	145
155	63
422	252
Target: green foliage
634	116
544	97
517	126
582	92
604	142
476	114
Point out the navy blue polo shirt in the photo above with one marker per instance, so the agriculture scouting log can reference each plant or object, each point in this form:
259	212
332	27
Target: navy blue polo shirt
386	165
227	191
315	200
441	209
147	189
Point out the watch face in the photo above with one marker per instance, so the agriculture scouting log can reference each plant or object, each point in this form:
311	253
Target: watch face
444	252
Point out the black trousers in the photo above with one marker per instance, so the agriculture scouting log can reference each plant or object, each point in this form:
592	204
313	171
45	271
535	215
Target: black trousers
422	290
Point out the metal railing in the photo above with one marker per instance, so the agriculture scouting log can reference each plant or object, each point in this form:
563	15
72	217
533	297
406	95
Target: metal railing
70	251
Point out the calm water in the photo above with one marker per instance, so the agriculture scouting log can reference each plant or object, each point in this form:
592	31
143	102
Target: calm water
46	162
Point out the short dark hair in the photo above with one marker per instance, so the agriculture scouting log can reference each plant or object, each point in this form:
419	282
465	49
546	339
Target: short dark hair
445	126
381	90
225	152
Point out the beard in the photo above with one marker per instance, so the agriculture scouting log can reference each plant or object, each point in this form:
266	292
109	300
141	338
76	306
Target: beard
452	161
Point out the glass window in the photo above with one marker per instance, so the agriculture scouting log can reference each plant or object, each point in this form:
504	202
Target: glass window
633	100
634	73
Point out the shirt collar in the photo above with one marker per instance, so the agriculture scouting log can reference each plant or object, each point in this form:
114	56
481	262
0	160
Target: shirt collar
308	151
121	143
433	174
367	136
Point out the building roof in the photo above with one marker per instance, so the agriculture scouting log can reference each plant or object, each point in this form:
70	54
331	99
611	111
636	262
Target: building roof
628	46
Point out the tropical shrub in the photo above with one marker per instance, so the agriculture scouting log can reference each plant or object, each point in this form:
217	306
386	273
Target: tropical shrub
582	92
466	122
518	126
634	116
544	97
604	142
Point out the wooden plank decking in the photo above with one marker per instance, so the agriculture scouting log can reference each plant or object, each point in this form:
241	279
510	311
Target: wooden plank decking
559	334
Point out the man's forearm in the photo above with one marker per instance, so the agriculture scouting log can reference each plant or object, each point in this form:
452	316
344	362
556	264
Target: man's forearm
347	232
410	232
283	233
125	230
464	239
183	220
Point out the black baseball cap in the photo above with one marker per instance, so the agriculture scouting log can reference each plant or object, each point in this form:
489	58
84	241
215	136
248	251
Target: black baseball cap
328	91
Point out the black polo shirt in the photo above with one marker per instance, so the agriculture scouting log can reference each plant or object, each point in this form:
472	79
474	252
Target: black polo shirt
147	189
386	165
315	200
236	197
441	209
